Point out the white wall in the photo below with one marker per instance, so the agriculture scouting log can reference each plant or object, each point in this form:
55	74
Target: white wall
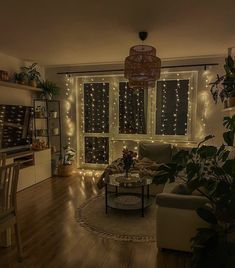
15	96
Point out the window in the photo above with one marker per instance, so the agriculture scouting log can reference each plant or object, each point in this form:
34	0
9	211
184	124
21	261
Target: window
132	110
96	150
96	103
172	107
96	122
112	115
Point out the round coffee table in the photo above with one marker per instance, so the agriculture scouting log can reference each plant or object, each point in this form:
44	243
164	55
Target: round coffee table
128	200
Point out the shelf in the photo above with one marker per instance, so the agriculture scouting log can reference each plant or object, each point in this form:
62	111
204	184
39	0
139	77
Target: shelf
19	86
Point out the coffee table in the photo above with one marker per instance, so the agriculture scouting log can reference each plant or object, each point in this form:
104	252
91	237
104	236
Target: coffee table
128	200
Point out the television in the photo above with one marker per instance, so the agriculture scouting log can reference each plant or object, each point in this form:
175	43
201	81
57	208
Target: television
15	127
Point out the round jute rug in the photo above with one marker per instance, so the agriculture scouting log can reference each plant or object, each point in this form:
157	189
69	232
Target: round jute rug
117	224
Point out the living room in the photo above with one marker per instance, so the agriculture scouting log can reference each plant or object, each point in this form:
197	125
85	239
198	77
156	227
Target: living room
117	125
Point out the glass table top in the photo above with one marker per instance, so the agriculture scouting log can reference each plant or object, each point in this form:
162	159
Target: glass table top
133	180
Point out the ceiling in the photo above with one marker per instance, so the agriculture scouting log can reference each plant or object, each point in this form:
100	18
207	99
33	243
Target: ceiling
54	32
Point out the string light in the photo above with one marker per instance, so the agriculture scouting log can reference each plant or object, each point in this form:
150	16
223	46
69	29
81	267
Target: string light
68	108
120	133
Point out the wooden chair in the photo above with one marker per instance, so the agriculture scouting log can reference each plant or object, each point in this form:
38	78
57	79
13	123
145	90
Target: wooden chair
8	205
2	159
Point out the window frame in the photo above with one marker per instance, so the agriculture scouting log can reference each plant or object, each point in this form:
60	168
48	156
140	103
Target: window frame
114	135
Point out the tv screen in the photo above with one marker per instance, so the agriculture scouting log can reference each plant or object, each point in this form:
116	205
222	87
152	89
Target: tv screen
15	126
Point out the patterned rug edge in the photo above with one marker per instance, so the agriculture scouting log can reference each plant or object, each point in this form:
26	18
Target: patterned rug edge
108	235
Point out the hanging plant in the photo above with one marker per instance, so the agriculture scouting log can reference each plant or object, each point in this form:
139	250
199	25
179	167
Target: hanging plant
224	86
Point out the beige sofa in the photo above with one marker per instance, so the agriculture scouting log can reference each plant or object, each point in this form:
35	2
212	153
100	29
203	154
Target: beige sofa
176	219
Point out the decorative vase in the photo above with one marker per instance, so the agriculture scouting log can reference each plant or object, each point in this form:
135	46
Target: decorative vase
53	114
55	131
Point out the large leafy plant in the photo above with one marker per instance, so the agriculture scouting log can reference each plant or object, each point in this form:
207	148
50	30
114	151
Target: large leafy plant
31	72
210	171
224	86
49	88
68	156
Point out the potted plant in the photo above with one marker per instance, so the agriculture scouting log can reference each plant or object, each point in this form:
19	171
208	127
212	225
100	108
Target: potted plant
65	167
49	88
32	74
20	78
210	167
224	86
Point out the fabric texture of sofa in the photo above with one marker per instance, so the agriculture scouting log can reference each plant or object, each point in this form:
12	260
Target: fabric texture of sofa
176	218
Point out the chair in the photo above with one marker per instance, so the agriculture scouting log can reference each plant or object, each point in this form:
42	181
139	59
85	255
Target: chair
8	205
2	159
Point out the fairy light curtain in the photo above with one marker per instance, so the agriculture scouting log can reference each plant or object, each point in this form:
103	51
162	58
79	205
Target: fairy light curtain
96	119
111	115
96	100
132	114
97	150
172	107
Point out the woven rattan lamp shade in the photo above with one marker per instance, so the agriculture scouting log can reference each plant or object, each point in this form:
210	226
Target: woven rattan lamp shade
142	67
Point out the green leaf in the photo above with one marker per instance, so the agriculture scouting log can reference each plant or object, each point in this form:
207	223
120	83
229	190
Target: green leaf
229	137
206	215
209	137
192	170
229	167
181	157
207	151
165	173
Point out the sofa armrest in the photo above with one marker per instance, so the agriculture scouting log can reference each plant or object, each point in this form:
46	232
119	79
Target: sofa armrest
181	201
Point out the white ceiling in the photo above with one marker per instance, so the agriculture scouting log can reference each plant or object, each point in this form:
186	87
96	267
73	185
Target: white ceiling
56	32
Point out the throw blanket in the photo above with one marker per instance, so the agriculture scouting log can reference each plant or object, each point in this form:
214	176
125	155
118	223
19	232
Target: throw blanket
145	167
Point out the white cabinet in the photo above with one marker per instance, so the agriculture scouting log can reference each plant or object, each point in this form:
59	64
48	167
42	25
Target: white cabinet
42	165
35	167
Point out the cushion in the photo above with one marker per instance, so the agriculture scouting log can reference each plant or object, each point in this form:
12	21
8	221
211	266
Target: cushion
157	152
181	188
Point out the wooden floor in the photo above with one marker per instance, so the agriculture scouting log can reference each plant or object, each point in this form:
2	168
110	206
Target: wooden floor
52	238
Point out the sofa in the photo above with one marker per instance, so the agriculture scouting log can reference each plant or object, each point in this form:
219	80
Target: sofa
176	218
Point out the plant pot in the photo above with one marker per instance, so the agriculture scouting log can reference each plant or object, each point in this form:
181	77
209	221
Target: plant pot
33	83
46	96
65	170
20	82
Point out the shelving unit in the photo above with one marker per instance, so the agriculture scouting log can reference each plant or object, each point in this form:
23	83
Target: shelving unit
47	125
